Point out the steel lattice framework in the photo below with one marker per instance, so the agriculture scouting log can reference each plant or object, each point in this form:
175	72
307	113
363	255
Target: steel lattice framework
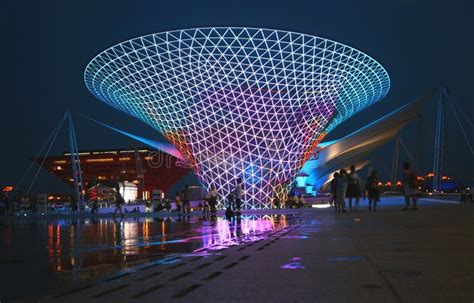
239	102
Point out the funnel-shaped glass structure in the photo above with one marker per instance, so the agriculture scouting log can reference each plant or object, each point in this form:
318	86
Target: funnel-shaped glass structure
238	102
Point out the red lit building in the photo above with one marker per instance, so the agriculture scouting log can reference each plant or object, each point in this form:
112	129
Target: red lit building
148	169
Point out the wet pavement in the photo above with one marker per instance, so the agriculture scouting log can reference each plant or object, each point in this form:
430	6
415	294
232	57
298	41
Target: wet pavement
49	255
307	255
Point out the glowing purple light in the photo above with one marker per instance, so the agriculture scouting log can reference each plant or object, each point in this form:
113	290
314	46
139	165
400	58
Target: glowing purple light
239	102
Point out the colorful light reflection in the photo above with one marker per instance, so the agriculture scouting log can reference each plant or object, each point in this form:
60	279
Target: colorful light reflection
224	233
295	263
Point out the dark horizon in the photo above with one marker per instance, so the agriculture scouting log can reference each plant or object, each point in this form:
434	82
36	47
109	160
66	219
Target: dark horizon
421	44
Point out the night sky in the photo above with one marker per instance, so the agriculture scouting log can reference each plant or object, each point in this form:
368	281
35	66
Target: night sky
49	43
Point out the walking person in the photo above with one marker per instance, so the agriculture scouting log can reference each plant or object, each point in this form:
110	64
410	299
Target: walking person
276	202
341	190
213	198
73	205
186	196
94	207
463	193
301	201
119	201
333	191
179	203
409	186
238	192
205	206
230	202
292	200
353	188
373	191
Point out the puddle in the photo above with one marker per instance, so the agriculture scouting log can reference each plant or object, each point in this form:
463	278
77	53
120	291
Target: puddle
295	237
311	230
295	263
72	252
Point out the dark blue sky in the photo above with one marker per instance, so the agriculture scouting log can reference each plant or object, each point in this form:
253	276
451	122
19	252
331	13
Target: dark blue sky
49	43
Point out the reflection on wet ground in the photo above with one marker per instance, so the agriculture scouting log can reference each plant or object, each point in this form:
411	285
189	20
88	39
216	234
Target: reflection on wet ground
49	255
295	263
40	256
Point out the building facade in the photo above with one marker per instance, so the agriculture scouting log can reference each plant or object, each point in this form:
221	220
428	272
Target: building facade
147	169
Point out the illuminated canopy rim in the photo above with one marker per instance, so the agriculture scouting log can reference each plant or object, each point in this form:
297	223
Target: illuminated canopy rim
238	102
122	72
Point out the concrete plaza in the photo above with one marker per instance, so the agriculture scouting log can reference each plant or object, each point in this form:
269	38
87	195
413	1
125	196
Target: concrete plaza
383	256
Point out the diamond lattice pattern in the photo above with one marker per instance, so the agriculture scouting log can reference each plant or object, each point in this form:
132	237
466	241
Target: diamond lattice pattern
239	102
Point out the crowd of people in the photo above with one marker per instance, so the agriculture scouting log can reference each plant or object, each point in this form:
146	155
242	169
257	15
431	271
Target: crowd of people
292	201
348	185
209	202
233	201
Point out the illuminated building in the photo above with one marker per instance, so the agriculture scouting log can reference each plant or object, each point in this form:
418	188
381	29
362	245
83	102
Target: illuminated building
239	102
112	167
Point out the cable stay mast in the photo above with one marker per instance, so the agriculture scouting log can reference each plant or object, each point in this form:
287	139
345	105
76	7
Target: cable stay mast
49	143
45	144
439	140
443	100
76	164
75	161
